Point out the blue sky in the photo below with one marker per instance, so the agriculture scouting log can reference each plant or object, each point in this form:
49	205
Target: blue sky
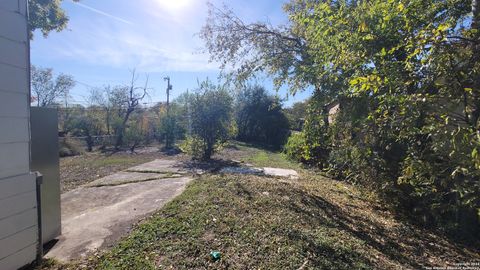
105	39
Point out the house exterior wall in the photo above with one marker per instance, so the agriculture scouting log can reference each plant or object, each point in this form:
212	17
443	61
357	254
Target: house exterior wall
332	112
18	213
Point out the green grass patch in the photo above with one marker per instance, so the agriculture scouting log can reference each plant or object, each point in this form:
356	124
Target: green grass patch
254	222
262	157
113	161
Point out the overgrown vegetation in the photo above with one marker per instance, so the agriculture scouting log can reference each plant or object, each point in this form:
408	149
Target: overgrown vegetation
211	118
259	117
406	76
268	223
296	115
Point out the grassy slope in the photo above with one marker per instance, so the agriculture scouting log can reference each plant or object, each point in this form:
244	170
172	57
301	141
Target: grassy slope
268	223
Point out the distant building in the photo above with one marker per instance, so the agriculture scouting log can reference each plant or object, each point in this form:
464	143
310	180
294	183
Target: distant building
333	108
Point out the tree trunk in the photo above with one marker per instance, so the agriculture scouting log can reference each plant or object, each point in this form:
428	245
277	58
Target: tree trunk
325	117
107	120
122	129
476	15
89	141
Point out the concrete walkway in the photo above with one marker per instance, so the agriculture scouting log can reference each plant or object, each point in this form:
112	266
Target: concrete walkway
265	171
100	213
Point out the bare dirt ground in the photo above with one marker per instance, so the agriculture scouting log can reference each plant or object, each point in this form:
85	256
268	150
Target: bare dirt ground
79	170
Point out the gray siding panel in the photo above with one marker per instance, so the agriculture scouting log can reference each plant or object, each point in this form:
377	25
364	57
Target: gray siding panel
18	212
12	26
13	105
22	257
14	159
19	241
18	6
13	53
14	130
14	79
9	6
18	223
13	186
17	204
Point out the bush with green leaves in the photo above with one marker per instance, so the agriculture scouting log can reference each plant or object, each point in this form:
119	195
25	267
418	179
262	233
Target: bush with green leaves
294	148
134	136
296	114
211	119
414	139
260	118
171	124
84	123
406	74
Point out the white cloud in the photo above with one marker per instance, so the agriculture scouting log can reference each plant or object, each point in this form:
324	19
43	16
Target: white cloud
106	44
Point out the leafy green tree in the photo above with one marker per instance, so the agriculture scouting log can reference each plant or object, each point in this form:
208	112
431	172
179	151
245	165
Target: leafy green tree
260	118
85	124
406	74
413	64
46	16
171	126
247	48
211	116
134	136
296	114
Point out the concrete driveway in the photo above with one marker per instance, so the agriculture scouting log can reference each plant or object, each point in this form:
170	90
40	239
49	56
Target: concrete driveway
100	213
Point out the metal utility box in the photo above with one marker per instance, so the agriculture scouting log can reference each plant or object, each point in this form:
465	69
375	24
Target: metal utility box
45	159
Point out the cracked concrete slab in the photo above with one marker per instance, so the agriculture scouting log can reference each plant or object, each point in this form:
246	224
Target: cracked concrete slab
279	172
275	172
242	170
159	166
124	178
94	217
129	177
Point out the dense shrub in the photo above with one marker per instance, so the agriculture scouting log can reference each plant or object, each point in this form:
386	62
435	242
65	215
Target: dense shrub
406	75
296	115
68	147
260	118
294	148
171	125
211	118
134	136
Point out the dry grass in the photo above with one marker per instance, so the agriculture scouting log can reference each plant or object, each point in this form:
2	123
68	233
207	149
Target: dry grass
269	223
263	223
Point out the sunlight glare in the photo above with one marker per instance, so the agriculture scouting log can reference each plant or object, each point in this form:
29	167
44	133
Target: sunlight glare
174	5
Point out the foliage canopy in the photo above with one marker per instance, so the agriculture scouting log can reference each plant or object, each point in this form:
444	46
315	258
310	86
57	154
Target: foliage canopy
407	76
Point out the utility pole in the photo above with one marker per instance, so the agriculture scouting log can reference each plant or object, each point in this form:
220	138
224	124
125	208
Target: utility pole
169	88
188	115
170	133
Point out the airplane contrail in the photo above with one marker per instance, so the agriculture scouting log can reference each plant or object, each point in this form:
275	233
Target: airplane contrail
103	13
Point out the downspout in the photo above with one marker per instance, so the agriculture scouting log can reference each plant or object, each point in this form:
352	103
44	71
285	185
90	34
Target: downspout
39	182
